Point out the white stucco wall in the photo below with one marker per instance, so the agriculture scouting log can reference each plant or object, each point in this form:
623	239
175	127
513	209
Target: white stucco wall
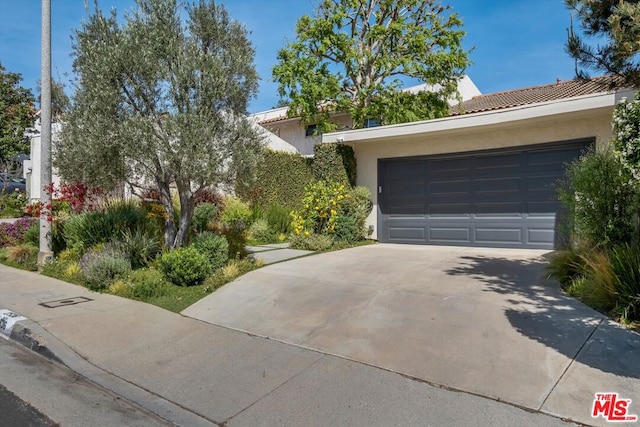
561	127
32	167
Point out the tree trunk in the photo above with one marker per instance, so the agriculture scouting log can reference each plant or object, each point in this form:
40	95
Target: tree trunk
186	212
167	203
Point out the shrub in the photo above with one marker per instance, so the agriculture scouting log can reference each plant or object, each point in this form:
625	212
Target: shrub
261	233
321	207
600	201
625	263
102	265
235	210
204	214
350	224
334	162
214	247
32	235
280	180
13	233
12	204
312	242
279	219
147	283
208	195
23	255
140	247
236	235
90	228
566	265
184	266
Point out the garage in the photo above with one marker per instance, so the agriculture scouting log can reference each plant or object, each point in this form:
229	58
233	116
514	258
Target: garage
493	198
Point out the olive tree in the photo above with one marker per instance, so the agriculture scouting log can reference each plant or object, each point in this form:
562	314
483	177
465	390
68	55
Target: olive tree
160	104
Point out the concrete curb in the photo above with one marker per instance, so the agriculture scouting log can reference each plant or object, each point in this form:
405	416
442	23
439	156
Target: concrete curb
35	338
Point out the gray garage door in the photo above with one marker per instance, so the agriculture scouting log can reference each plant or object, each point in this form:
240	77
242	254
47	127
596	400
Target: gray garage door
498	198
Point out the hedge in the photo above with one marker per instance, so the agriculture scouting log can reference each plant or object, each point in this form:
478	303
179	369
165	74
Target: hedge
280	180
335	162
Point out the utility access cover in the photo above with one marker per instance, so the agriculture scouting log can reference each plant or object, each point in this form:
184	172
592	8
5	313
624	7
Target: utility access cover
65	302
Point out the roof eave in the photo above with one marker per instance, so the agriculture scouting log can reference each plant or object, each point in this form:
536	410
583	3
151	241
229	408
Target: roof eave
483	119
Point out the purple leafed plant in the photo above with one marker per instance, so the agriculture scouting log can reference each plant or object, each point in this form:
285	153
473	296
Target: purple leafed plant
12	233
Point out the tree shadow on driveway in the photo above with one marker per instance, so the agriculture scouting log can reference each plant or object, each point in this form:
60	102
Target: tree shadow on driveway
538	309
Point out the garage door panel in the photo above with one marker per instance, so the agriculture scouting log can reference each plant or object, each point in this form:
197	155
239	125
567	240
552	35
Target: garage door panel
504	198
449	235
488	186
407	233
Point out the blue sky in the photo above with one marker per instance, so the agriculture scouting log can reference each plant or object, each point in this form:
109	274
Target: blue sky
517	43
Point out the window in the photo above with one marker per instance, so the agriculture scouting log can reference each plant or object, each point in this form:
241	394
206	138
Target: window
310	130
372	122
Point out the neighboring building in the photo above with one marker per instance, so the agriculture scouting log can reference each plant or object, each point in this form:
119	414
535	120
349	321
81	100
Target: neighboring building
486	175
31	168
303	138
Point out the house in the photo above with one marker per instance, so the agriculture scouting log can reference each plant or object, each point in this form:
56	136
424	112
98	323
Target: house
485	175
31	167
303	138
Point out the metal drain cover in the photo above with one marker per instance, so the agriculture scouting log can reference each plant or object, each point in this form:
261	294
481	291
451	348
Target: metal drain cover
64	302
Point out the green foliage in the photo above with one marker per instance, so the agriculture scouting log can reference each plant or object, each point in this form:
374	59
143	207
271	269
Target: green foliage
185	266
17	113
280	180
161	97
139	246
25	256
147	283
260	232
12	205
615	26
353	55
102	265
350	225
236	235
566	265
599	199
204	214
90	228
320	208
279	219
32	235
214	247
334	162
625	263
311	242
235	210
626	134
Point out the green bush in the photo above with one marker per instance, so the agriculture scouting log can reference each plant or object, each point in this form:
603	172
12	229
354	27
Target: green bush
214	247
235	210
312	242
204	214
280	180
350	224
184	266
600	201
147	283
625	262
32	235
236	235
321	207
566	265
139	246
334	162
23	256
102	265
279	219
90	228
12	204
260	232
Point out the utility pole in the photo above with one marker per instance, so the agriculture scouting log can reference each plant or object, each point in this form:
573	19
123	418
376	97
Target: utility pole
45	253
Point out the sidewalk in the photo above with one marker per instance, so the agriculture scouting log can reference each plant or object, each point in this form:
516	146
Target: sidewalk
195	374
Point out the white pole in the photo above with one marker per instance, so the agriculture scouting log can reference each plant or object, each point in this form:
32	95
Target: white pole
45	253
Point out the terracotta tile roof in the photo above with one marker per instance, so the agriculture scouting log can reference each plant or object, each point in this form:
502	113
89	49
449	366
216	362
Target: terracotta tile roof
536	94
273	120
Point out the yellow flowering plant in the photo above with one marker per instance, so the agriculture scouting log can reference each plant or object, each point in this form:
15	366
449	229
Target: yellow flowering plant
321	206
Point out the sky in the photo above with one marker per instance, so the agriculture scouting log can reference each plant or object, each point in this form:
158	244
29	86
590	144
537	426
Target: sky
516	43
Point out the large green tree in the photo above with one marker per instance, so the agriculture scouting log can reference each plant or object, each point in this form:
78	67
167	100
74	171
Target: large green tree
353	55
160	104
17	113
615	27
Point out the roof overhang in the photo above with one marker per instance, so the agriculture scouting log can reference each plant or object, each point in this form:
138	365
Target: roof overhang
505	117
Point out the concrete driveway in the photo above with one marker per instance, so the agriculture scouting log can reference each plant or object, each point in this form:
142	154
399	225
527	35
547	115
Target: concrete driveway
483	321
